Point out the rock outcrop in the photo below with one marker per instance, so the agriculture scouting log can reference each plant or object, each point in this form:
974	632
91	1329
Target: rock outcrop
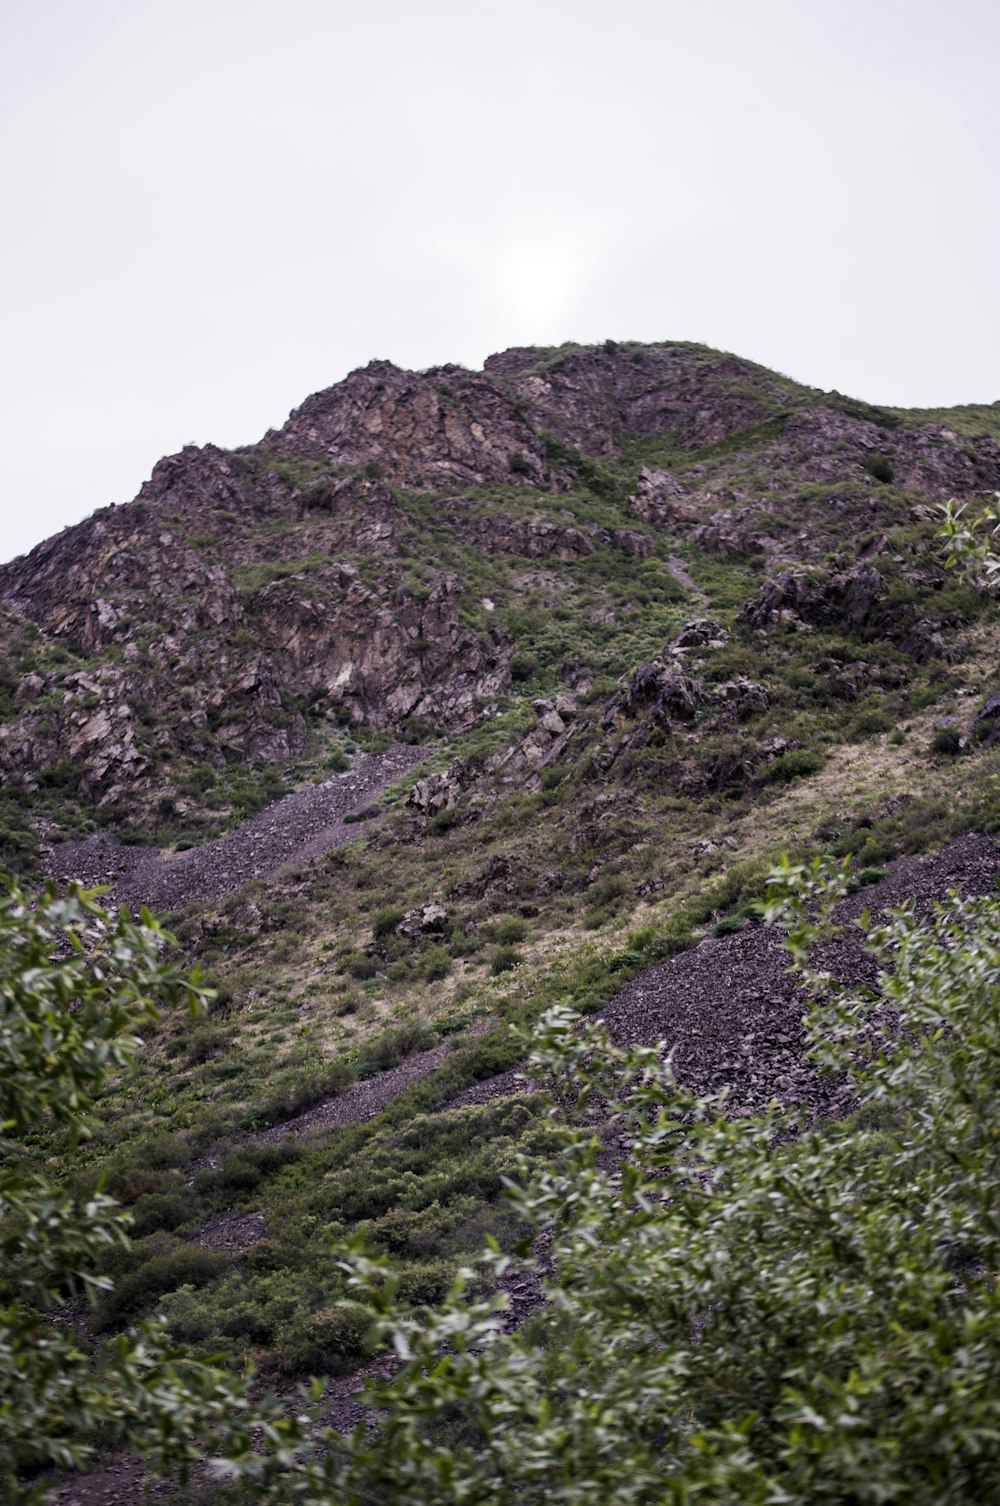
857	600
326	573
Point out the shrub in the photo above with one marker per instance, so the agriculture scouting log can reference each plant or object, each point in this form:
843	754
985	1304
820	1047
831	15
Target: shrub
728	925
206	1041
504	959
156	1211
879	467
869	724
435	964
304	1090
608	888
18	839
385	922
523	667
626	962
390	1048
795	764
507	929
762	1228
947	741
139	1290
359	965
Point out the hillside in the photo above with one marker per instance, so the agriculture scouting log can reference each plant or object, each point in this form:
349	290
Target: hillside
461	694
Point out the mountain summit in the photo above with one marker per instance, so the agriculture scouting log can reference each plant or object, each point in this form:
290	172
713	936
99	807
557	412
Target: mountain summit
384	558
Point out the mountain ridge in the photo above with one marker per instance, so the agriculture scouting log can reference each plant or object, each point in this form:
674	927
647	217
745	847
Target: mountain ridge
459	696
236	574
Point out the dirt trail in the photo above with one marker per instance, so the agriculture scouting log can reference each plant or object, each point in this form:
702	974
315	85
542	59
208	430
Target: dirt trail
302	825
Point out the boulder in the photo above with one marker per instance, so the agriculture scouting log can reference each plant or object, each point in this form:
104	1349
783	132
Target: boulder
741	697
656	690
427	920
703	632
657	499
438	792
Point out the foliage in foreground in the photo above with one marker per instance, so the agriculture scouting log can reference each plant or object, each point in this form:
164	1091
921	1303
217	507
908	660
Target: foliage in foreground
734	1315
733	1312
74	985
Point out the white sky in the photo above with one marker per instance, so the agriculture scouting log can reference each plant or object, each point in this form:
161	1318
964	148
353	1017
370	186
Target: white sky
211	208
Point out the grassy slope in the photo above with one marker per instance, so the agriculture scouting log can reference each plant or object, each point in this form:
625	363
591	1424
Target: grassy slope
556	893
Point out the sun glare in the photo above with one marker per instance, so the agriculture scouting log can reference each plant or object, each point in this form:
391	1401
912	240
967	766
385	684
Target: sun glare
539	281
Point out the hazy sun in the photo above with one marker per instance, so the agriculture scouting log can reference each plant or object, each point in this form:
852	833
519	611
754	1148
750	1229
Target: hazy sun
539	281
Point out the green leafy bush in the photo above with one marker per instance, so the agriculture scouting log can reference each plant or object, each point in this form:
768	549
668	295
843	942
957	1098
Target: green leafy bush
947	741
797	763
504	959
435	964
523	667
880	468
304	1088
508	929
75	983
391	1047
752	1311
154	1211
384	922
138	1291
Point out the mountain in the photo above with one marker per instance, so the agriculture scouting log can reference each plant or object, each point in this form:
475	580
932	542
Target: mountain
460	694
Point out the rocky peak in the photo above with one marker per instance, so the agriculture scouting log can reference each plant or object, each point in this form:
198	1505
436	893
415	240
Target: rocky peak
423	429
408	543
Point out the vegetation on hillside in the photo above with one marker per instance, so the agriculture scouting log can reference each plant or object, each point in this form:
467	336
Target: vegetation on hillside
761	1310
761	650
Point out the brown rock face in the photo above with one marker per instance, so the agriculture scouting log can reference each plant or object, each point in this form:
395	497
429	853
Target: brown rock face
242	594
825	445
658	498
428	429
593	399
656	690
386	659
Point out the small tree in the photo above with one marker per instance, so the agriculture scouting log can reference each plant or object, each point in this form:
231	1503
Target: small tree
75	984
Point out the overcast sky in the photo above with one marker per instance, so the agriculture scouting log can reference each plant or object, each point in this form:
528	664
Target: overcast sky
211	208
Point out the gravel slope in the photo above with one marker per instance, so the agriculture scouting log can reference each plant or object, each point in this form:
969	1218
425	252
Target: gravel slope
732	1012
303	825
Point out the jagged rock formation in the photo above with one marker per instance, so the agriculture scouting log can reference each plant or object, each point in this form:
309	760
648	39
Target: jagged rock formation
243	597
